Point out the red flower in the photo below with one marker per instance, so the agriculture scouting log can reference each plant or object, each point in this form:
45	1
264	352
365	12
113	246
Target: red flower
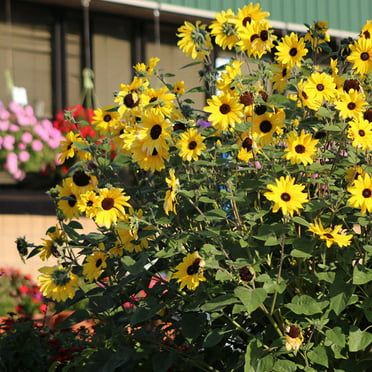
23	289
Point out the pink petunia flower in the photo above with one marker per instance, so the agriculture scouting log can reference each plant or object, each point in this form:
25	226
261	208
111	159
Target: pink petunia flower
24	156
37	145
8	142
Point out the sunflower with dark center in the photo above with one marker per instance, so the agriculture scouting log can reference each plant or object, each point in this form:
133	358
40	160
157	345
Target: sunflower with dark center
351	104
225	111
105	119
247	147
286	195
82	182
111	205
55	241
159	101
321	85
293	338
301	148
331	235
89	203
154	132
57	283
68	199
264	126
191	145
308	98
360	132
361	193
361	56
224	30
94	265
190	272
291	51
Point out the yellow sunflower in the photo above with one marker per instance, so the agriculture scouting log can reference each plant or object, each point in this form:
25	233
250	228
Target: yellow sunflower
361	193
94	265
105	119
231	72
129	96
159	101
257	39
57	283
308	98
366	31
89	203
179	87
170	195
264	126
247	147
67	147
191	145
146	70
291	50
82	181
351	104
280	77
195	40
111	206
321	85
360	132
248	14
149	162
154	132
52	245
68	199
331	235
361	55
225	111
300	148
189	273
286	195
293	338
224	29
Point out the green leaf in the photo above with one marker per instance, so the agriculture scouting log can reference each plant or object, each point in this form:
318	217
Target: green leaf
279	100
71	232
223	276
359	340
253	354
213	338
319	356
303	247
192	324
361	275
284	366
306	305
219	302
340	293
251	298
336	336
75	225
204	199
301	221
162	362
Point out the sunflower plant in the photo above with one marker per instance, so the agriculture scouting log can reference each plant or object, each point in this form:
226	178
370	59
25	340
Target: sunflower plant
236	237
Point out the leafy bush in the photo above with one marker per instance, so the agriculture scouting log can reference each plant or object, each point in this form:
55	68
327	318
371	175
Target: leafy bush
241	237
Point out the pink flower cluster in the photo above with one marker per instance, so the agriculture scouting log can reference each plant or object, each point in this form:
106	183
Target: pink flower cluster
26	143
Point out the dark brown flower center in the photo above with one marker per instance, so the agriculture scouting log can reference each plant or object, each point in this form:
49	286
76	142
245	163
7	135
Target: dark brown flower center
107	203
99	263
153	99
246	99
194	268
192	145
245	274
319	135
361	132
129	101
285	197
225	109
304	95
263	95
351	105
72	200
154	152
81	179
367	193
246	20
89	203
107	118
368	115
364	56
264	35
320	87
351	84
260	109
247	144
254	37
179	126
294	331
366	34
328	235
155	131
265	126
293	52
284	72
300	149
